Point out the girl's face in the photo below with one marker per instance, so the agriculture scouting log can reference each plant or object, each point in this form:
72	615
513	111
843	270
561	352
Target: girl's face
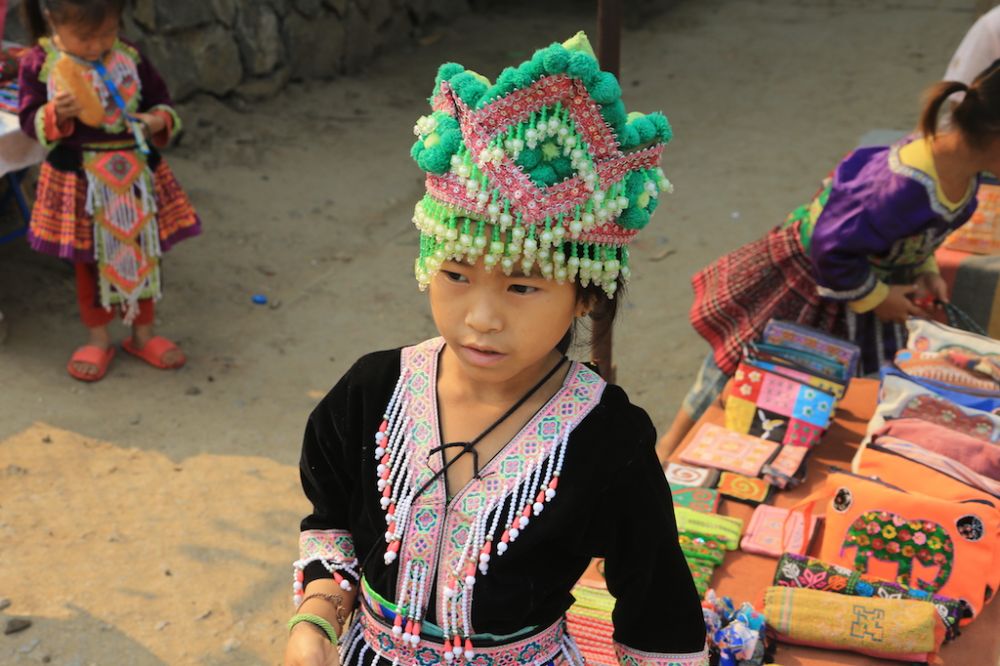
500	326
89	42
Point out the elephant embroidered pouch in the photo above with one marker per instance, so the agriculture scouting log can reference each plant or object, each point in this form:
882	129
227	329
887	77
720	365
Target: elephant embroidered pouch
777	408
720	448
885	628
808	572
940	546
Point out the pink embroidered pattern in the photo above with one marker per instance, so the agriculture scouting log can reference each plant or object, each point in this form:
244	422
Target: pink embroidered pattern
631	657
326	545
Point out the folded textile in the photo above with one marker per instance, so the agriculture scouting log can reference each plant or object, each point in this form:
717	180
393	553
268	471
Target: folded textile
950	367
808	572
934	460
978	455
900	629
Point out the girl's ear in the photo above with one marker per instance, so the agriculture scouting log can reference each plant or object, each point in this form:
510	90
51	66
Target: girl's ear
584	305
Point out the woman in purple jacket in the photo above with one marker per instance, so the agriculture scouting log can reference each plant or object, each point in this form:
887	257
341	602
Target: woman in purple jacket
853	260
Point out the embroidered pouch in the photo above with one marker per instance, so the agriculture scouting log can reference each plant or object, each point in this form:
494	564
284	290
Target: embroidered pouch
781	366
825	354
776	408
764	532
747	489
900	397
985	401
885	628
808	572
950	368
725	529
721	448
688	476
940	546
701	548
702	500
927	335
788	468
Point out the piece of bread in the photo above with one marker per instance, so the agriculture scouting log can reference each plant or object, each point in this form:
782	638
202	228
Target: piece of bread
74	78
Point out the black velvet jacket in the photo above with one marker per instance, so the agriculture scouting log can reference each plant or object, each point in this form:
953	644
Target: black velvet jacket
612	502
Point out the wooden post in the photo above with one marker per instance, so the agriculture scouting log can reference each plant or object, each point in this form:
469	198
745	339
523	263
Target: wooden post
609	39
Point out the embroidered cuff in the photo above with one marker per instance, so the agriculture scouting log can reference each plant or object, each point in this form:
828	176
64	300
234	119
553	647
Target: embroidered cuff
872	300
929	266
334	549
631	657
173	125
48	130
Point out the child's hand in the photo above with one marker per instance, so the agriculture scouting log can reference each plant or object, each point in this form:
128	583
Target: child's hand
153	122
67	106
309	646
933	285
897	306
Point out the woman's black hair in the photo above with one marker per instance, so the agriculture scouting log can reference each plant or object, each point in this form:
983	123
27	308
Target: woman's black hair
90	13
977	116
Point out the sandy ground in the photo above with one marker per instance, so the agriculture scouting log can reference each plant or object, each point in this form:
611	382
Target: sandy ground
152	518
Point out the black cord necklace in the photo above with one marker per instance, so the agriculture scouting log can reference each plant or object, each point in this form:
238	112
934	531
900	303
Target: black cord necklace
470	447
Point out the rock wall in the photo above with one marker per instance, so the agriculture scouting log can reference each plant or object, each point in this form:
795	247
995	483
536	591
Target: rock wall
254	47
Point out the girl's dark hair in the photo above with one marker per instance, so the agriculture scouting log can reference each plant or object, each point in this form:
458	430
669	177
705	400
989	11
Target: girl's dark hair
90	13
603	309
977	116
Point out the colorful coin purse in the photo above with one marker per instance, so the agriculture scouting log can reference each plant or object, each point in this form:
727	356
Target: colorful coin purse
777	408
719	448
824	354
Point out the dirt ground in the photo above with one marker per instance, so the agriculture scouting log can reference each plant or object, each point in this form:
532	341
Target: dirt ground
152	518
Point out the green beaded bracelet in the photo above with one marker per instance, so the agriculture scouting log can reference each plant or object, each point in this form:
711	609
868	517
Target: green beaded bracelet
316	620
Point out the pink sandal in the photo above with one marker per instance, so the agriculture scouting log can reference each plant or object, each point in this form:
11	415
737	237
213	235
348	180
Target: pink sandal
154	351
92	355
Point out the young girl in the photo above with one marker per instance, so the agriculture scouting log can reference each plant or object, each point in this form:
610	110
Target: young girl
106	199
460	487
856	258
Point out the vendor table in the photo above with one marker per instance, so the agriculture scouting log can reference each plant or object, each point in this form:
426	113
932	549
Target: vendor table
744	576
17	153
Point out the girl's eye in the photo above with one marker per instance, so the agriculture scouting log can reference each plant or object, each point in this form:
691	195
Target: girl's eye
523	289
454	277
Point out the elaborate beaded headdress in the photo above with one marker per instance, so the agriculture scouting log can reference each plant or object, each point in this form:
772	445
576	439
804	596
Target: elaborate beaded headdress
542	167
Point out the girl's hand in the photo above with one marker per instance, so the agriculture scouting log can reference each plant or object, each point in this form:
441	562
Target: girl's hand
67	106
933	285
153	122
897	306
309	646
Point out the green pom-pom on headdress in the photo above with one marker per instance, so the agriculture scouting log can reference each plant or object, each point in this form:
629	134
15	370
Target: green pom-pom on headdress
605	89
556	59
445	72
438	138
468	86
583	67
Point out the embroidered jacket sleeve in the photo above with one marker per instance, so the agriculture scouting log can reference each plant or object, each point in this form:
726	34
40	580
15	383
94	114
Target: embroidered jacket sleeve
657	618
35	112
328	470
156	100
869	210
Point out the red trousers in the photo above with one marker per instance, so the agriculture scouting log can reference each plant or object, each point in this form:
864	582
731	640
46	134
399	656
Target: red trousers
88	295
